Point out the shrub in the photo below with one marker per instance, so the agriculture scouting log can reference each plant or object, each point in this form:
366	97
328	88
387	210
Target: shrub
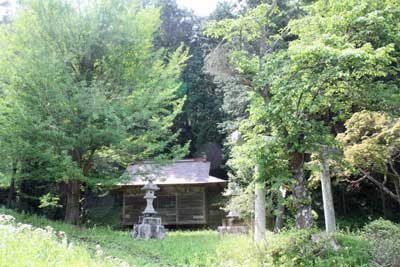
295	248
383	237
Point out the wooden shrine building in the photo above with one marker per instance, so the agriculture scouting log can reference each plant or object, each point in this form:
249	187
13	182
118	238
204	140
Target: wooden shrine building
188	195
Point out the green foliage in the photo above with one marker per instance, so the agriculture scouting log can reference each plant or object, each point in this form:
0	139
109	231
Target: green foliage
201	112
328	71
383	237
243	204
49	200
308	78
81	83
371	147
248	37
371	141
295	248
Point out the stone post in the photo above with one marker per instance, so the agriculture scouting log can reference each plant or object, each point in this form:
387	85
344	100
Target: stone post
329	209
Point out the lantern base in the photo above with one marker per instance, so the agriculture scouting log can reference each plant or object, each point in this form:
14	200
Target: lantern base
149	228
239	230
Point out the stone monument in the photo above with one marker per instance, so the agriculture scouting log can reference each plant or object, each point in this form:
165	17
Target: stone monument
149	225
234	223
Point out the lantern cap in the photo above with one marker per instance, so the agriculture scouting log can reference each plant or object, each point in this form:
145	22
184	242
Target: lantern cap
150	186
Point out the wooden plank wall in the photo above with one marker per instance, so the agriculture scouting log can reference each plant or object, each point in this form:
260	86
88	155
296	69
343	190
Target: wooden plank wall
215	201
175	204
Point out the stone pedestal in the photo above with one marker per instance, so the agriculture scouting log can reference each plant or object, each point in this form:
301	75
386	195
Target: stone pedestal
239	230
234	227
149	228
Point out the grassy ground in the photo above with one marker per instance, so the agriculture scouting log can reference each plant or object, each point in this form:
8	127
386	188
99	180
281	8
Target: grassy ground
181	248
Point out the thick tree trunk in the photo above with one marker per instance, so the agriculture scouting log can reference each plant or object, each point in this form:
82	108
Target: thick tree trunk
73	195
329	209
259	213
300	192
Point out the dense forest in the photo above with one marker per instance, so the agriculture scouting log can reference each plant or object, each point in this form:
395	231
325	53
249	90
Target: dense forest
295	103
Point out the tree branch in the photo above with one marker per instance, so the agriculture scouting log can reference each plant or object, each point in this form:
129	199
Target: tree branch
381	186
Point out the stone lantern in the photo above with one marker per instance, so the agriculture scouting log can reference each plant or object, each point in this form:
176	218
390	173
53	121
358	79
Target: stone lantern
233	214
150	189
235	225
149	226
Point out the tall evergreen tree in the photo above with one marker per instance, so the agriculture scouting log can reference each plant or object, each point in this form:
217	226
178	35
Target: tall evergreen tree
202	110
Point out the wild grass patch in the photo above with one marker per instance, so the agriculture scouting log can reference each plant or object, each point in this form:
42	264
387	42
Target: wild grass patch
180	249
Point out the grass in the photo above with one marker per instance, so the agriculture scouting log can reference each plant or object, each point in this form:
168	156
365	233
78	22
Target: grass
179	249
22	245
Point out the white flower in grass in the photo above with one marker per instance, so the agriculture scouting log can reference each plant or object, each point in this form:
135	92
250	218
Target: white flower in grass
99	252
24	227
6	219
62	236
40	231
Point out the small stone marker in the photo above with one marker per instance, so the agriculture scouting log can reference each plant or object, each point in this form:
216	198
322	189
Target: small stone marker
150	226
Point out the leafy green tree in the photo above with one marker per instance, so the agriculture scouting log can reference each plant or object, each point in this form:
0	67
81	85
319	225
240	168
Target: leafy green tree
84	82
250	40
371	145
330	70
343	56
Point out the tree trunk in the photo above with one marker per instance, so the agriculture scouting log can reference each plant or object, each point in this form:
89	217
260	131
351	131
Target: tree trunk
344	203
384	209
72	211
397	186
259	213
329	208
279	218
280	209
11	191
300	192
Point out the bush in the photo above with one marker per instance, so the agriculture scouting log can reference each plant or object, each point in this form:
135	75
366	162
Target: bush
383	237
295	248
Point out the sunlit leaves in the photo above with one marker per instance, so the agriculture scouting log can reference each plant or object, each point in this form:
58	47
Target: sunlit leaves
371	141
85	82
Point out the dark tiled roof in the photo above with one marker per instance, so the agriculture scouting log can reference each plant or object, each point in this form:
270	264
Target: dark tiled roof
187	171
